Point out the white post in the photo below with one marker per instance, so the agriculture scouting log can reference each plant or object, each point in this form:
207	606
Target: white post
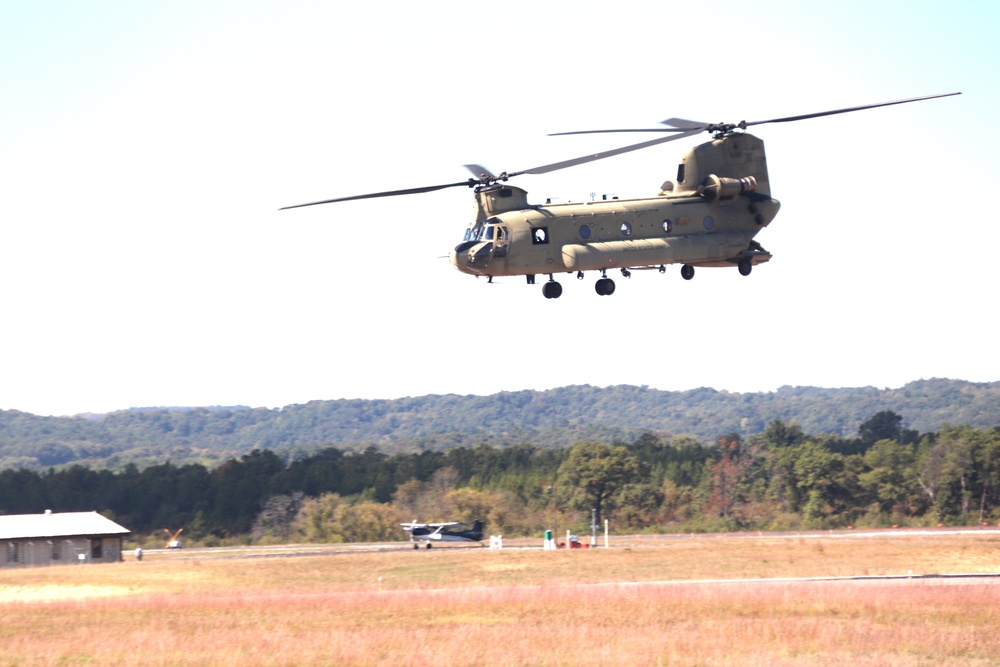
605	533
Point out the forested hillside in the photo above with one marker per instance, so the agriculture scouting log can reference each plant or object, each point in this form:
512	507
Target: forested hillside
780	479
546	419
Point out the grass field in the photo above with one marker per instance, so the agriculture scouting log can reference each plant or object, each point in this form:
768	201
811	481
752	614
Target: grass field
634	604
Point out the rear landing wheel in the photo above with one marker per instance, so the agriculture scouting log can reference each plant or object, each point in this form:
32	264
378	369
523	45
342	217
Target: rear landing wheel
745	267
605	287
552	290
687	272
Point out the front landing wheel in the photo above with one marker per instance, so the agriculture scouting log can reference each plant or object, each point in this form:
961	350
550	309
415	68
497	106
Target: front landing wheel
552	290
687	272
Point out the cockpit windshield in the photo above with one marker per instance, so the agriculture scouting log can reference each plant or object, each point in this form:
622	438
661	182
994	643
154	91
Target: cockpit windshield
480	233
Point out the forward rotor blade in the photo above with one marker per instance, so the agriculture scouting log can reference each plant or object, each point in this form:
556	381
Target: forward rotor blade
606	154
788	119
390	193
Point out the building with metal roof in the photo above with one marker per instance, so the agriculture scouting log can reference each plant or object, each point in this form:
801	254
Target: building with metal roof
59	538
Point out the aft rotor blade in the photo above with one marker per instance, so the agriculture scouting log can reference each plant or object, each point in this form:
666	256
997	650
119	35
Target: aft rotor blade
479	171
683	123
606	154
788	119
389	193
648	129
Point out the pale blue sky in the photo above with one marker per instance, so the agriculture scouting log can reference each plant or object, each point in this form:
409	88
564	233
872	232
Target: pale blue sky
145	148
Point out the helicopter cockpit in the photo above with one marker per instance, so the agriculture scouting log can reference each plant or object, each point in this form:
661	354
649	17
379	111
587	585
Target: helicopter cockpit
481	232
483	243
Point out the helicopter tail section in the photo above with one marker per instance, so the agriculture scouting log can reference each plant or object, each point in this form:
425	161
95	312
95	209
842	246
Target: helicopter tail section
725	167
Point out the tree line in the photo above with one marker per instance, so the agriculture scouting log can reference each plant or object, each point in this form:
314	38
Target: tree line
555	418
781	478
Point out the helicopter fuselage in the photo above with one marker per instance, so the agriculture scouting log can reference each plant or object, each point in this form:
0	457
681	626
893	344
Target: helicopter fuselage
708	216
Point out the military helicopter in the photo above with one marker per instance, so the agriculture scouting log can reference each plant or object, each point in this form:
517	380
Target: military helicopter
707	216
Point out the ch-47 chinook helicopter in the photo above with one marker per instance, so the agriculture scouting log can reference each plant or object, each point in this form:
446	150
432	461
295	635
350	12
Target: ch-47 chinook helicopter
707	216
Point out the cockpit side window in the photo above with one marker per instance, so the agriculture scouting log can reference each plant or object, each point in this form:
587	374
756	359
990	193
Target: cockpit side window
502	242
540	235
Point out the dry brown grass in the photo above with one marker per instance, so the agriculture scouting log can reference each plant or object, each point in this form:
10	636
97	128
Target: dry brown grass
473	607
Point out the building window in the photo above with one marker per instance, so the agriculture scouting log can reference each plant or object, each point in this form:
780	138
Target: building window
96	549
56	550
12	552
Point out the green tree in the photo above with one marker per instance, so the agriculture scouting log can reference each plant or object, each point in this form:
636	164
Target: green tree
962	470
987	459
593	473
885	425
638	505
779	434
805	477
890	482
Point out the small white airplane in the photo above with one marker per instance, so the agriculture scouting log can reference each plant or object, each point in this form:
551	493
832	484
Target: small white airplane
436	532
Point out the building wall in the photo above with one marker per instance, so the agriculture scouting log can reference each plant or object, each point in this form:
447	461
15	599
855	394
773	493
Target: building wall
60	551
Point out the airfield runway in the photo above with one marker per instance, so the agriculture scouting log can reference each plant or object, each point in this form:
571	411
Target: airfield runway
615	541
626	542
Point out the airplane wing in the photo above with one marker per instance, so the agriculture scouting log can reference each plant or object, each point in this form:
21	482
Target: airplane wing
410	525
413	524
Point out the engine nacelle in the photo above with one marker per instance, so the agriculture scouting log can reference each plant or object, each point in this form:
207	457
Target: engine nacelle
720	188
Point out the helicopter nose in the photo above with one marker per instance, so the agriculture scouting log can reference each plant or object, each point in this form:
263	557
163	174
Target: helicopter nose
469	256
459	256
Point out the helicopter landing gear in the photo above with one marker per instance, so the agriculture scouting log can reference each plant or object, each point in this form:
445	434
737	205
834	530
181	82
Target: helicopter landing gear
605	287
552	289
745	267
687	272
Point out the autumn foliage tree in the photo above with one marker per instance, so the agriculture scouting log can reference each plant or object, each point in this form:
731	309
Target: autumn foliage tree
729	474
